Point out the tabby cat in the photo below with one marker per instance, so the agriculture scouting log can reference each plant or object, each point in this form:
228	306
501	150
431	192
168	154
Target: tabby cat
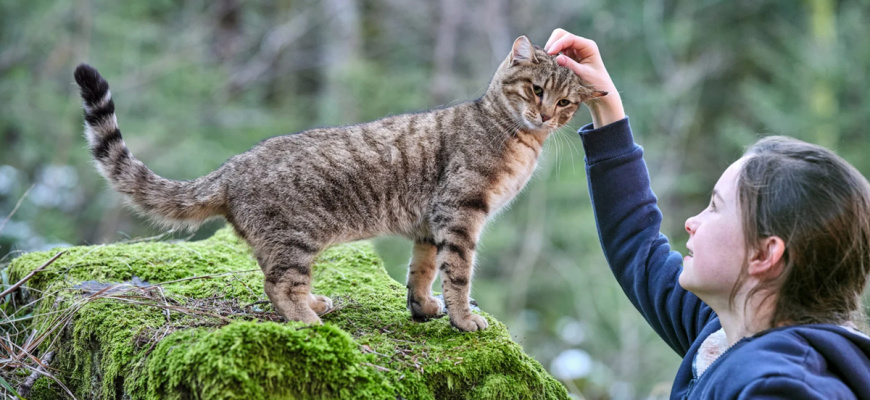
434	177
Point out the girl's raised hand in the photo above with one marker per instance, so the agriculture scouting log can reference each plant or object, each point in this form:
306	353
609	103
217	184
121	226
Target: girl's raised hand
581	55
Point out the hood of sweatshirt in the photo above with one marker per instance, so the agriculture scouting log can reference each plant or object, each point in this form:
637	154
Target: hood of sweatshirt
805	361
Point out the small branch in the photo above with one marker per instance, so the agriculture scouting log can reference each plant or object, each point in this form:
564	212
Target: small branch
377	367
154	342
30	275
165	303
199	277
3	225
183	310
24	388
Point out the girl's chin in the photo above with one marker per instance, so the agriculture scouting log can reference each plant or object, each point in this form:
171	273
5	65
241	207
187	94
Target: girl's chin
684	279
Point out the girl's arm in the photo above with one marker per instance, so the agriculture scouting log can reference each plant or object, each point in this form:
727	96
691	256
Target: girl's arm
626	214
629	221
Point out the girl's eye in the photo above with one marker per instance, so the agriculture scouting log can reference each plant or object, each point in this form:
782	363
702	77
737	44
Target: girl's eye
712	205
563	103
537	89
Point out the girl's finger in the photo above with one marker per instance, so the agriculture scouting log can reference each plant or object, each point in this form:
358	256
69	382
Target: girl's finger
567	62
557	33
584	48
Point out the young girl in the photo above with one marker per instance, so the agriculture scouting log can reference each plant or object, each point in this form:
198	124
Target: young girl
767	301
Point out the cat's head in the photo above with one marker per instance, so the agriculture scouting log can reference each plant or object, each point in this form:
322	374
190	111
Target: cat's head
540	94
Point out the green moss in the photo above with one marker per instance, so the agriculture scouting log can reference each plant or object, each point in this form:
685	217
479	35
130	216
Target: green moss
218	339
248	360
44	389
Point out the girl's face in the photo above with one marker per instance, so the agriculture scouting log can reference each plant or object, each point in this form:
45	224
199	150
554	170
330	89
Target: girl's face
716	244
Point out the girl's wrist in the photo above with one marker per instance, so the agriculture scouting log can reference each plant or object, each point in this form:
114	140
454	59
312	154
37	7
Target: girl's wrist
606	110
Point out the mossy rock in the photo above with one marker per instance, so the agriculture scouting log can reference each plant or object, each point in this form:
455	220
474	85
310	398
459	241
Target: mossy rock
217	337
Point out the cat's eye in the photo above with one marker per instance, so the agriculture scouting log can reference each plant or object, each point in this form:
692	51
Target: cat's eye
563	103
538	91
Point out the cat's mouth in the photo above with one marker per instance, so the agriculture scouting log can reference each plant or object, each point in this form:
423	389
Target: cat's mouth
532	124
537	124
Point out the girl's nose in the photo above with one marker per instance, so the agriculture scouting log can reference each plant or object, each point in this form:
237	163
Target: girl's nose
692	225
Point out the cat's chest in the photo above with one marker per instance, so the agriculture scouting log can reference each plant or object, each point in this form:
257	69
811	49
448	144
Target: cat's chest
518	165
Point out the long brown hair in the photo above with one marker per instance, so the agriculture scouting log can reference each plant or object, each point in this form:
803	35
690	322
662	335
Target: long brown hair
819	205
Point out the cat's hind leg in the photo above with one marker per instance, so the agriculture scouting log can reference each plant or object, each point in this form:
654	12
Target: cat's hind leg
421	275
320	304
287	267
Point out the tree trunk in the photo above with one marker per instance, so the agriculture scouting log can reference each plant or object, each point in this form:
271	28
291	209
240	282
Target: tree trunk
442	86
341	48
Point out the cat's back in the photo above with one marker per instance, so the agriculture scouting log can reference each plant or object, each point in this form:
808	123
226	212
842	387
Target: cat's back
392	161
385	136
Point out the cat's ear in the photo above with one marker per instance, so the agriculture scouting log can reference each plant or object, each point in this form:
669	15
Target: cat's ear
593	94
523	52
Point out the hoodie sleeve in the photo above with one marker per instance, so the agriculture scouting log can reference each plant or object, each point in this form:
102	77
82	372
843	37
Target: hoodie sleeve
781	388
628	222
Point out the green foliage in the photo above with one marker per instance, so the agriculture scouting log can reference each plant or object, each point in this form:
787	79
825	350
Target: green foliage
196	82
5	385
367	348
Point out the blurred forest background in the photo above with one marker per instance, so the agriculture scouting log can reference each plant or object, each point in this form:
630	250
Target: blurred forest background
198	81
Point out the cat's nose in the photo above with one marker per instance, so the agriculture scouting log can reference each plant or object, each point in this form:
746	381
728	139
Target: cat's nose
545	117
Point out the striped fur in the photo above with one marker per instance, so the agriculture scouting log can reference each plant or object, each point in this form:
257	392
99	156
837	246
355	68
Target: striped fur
434	177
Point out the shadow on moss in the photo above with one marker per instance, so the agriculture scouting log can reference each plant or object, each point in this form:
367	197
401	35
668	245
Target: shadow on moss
216	336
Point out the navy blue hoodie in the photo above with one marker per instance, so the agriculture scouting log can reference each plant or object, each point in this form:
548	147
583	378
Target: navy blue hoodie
795	362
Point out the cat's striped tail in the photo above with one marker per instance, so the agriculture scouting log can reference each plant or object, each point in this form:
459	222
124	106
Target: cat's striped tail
174	204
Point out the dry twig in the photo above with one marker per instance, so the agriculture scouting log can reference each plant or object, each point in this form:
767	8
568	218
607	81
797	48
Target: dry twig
201	277
377	367
214	311
24	388
30	275
3	225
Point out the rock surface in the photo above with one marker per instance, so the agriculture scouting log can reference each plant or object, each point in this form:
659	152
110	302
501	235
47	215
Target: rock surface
199	327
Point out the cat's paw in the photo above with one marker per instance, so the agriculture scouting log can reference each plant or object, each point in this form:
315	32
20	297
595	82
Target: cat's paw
319	304
471	323
424	308
305	315
312	319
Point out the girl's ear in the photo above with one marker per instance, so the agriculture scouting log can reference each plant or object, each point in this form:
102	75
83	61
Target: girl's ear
766	261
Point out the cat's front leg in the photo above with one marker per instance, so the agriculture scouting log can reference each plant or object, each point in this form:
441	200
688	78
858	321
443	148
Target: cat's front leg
455	242
421	275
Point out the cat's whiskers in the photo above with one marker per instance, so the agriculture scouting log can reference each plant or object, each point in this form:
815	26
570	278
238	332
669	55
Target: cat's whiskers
513	127
548	148
571	129
559	138
558	141
498	132
513	133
